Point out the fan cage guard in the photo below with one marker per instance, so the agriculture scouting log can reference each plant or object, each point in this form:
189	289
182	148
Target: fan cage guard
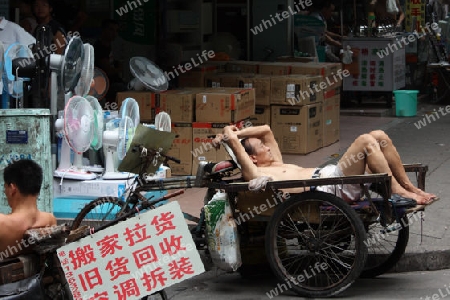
76	125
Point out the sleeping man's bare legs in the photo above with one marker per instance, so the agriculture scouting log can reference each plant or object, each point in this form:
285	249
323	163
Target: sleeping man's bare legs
375	153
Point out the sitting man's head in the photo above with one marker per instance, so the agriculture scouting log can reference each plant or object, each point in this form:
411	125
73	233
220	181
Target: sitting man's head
22	178
258	152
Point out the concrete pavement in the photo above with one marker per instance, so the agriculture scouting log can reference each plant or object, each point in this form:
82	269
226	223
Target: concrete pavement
427	285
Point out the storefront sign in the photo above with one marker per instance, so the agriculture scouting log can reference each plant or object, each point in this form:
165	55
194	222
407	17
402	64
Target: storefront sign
414	15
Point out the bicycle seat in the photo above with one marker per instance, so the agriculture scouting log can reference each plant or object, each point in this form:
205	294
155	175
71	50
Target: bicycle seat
220	167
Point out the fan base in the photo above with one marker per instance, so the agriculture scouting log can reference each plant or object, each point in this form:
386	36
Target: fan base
74	174
117	175
95	169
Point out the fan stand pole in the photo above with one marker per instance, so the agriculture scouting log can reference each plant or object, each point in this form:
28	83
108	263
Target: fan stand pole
53	94
64	162
78	161
111	172
109	159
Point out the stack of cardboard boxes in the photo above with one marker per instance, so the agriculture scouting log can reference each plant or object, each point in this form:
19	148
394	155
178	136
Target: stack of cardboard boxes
300	101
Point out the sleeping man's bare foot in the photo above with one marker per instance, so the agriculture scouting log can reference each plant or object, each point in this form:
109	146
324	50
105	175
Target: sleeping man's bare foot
420	199
429	196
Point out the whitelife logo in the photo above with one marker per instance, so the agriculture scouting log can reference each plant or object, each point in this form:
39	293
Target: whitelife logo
404	41
124	9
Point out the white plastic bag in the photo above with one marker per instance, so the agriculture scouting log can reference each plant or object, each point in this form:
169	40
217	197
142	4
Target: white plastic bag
391	6
221	230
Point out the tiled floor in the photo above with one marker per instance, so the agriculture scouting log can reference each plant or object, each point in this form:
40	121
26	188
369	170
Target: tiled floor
351	126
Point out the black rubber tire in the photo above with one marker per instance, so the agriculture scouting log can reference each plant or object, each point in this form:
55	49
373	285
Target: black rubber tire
385	249
112	204
341	254
160	295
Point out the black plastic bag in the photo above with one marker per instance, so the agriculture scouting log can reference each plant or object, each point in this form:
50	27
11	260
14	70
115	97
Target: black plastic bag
25	289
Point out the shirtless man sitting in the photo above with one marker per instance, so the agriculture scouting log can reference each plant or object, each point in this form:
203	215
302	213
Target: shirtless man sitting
23	180
259	155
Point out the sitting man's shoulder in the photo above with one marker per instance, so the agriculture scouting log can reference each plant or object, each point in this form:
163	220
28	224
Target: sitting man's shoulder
44	219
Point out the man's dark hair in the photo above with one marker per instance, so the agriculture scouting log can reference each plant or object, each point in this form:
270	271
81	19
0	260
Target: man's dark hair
247	146
26	174
107	22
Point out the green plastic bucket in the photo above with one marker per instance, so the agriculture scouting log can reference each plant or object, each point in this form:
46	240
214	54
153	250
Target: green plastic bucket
406	103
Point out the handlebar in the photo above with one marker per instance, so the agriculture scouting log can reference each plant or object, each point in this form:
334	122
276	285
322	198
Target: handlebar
152	152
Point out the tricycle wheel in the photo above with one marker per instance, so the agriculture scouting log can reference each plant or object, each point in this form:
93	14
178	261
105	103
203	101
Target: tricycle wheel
385	246
160	295
315	243
99	211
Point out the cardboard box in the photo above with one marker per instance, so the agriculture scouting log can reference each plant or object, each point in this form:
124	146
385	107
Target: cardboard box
212	80
202	148
196	76
333	81
229	80
298	129
331	112
181	149
262	85
179	104
224	105
261	116
275	68
91	188
242	66
297	59
66	208
331	93
278	90
296	93
146	101
316	86
316	69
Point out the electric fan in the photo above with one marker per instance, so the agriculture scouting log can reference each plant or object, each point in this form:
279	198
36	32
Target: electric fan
147	75
129	118
116	140
14	83
97	141
77	130
69	67
163	122
87	72
130	108
98	122
83	87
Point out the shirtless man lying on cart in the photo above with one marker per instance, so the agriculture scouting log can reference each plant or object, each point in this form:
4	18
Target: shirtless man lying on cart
258	153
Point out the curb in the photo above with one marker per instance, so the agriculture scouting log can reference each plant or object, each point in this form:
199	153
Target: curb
425	261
